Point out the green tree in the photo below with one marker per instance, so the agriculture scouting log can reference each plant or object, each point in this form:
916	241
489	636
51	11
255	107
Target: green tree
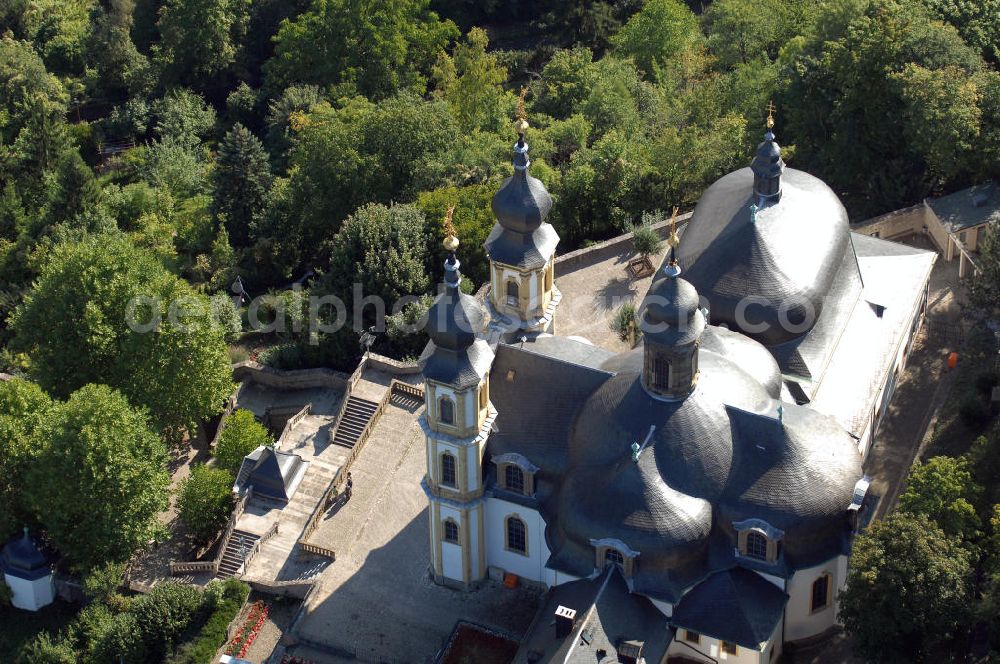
102	582
23	406
47	649
741	31
118	66
472	84
473	221
104	311
942	489
100	479
907	589
199	39
382	249
646	240
843	91
658	33
241	436
242	177
183	116
205	499
376	47
978	21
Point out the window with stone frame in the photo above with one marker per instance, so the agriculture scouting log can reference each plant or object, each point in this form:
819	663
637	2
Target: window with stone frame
517	535
447	411
513	294
450	531
661	373
820	593
756	546
692	637
448	470
513	478
730	648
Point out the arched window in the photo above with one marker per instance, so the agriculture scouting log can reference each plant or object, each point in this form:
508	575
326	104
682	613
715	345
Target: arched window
447	408
513	294
448	469
661	373
756	545
614	557
450	531
517	537
513	478
821	593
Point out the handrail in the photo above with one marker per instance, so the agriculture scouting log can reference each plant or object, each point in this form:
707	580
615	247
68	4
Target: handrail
245	565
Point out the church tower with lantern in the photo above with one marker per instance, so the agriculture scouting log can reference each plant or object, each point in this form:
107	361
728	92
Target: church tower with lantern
456	423
521	249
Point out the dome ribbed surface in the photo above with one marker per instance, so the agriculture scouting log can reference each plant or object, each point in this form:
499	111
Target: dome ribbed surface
767	279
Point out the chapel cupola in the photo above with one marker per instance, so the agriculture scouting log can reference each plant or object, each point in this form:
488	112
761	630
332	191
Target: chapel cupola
672	323
767	165
521	248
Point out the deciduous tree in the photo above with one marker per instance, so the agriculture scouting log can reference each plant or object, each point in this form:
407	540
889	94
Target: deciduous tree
205	499
100	479
241	436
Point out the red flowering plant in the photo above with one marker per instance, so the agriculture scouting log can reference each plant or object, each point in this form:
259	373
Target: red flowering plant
249	630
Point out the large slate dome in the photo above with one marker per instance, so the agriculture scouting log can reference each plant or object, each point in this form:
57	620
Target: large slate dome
786	254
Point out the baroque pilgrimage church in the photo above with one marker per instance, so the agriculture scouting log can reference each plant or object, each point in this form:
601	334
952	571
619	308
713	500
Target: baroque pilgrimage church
692	499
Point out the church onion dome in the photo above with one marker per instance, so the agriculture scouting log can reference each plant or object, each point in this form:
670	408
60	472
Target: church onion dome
521	237
764	262
670	311
455	355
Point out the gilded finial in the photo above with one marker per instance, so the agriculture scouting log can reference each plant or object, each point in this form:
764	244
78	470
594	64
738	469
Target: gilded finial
521	125
674	239
451	236
770	114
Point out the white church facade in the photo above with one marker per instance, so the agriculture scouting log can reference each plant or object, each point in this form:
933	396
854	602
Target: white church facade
718	464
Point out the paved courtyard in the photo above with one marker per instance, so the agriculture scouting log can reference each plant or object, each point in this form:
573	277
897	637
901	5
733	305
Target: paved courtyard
376	601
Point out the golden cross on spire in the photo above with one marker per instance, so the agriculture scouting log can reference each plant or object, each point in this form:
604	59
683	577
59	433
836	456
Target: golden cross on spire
451	235
770	114
522	115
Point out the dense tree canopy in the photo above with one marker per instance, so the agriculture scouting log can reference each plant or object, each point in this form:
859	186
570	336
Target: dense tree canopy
205	499
942	490
907	589
23	406
104	311
99	479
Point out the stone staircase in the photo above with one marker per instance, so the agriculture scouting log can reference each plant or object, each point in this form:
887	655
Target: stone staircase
352	423
239	547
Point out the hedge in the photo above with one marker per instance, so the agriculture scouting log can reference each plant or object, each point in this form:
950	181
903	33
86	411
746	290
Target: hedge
214	633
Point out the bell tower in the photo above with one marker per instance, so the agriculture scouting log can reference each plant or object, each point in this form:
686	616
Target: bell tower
456	423
521	248
672	324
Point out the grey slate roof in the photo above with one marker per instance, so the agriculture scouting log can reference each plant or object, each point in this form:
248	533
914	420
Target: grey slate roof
22	558
527	251
462	368
702	471
788	257
607	613
737	605
272	474
977	205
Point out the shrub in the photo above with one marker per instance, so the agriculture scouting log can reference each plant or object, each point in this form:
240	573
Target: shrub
90	625
163	615
625	321
46	649
646	240
101	582
205	500
224	599
241	436
122	641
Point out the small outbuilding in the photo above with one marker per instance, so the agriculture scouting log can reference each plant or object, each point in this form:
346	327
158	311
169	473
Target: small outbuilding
28	572
274	475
